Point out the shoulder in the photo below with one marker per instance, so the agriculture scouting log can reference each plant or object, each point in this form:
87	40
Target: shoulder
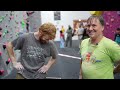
109	44
85	40
51	42
108	41
24	35
52	45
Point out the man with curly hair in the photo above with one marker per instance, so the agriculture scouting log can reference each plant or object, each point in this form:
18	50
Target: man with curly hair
35	47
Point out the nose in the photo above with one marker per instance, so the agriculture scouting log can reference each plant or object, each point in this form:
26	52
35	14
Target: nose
90	28
46	38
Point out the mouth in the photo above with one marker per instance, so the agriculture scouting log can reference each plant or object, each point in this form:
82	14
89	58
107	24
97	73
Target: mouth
43	42
91	32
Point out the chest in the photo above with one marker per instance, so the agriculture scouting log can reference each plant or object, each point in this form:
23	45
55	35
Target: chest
94	54
36	48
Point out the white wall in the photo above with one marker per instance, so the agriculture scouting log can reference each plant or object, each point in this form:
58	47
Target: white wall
67	18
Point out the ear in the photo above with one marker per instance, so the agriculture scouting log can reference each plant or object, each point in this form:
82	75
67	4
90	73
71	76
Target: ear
102	28
40	32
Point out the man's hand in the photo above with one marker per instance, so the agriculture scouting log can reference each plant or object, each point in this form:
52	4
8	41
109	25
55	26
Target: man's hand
43	69
80	77
116	69
18	66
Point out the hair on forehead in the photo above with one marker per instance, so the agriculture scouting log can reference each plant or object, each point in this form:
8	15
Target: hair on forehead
48	27
95	17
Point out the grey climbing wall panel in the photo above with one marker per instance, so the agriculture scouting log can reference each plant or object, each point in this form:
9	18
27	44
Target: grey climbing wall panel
12	24
35	20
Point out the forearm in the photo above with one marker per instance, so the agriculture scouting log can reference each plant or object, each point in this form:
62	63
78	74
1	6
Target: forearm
11	52
50	62
117	68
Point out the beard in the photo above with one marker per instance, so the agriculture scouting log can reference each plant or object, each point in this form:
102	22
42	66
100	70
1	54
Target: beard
42	41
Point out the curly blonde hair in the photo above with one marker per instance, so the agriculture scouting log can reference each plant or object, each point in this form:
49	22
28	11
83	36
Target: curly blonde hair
48	28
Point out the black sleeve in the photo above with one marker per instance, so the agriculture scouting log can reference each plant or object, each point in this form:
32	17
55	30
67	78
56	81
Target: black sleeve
115	37
18	42
53	50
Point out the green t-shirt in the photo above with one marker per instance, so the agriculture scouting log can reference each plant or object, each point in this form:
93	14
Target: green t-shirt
98	60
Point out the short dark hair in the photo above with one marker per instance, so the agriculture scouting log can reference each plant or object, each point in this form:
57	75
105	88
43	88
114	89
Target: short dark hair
118	29
60	31
100	18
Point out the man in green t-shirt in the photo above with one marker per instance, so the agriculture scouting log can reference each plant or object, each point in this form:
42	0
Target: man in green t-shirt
98	53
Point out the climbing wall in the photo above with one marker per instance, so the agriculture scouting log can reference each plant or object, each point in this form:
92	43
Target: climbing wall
112	21
34	18
12	25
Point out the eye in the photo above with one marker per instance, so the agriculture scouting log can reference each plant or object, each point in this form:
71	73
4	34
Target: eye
93	25
88	26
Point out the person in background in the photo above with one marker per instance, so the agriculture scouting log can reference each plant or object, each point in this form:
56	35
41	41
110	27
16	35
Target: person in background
80	32
69	36
63	29
98	53
35	48
85	35
117	36
62	39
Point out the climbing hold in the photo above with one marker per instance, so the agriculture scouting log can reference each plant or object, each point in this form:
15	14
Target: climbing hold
0	34
8	61
3	35
4	46
118	12
0	53
0	28
1	72
112	19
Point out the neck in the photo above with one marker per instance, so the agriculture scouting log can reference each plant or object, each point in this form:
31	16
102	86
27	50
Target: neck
96	40
36	34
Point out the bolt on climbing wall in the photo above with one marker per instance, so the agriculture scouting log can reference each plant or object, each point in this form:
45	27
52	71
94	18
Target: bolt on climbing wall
12	25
